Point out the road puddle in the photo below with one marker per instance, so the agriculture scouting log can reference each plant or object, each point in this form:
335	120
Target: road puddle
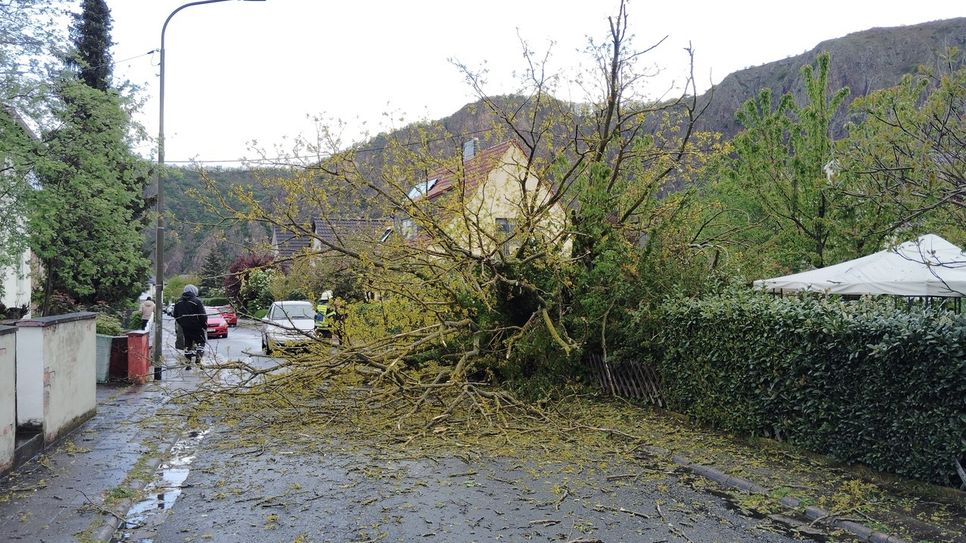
161	494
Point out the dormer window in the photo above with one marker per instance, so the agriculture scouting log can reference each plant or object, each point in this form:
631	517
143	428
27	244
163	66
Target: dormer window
421	189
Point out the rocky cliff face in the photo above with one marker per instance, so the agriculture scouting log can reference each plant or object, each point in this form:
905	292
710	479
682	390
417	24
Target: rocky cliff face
864	62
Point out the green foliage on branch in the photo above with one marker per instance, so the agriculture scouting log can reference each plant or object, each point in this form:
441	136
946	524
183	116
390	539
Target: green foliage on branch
907	157
777	182
109	325
214	269
17	151
863	382
174	287
82	222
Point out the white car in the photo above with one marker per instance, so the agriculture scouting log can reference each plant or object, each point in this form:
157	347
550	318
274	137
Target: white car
288	324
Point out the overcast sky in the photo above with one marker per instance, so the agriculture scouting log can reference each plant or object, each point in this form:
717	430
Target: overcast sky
242	71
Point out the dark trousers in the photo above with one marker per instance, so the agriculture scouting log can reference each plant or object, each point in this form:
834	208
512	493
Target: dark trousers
194	339
144	324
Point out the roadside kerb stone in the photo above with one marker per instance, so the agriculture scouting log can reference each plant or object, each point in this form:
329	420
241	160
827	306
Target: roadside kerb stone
815	514
114	516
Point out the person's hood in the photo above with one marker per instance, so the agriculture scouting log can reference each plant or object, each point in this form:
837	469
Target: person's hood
187	296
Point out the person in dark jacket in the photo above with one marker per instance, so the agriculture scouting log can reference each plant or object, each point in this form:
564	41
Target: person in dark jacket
189	313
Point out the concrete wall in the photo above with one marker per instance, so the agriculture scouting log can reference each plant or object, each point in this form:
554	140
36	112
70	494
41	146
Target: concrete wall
8	397
56	378
30	376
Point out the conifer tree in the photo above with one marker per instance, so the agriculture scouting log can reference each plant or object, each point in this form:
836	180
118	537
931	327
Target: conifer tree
91	35
215	268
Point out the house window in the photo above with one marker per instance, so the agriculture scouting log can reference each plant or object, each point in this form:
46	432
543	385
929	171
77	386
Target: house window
409	229
504	231
386	235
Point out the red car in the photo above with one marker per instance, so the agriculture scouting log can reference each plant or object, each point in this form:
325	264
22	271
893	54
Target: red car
217	326
228	312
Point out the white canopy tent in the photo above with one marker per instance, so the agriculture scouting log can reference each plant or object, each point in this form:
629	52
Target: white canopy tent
927	267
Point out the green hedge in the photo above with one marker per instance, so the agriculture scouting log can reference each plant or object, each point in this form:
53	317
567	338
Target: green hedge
215	301
863	382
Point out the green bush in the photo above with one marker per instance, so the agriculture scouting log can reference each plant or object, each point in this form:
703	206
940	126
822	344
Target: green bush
863	382
215	301
108	325
134	320
255	291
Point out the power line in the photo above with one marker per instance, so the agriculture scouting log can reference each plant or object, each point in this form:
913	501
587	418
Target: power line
151	52
52	94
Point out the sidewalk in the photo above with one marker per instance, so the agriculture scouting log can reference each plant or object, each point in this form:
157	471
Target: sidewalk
69	491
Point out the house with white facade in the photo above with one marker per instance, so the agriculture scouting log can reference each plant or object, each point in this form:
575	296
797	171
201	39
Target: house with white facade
483	202
15	274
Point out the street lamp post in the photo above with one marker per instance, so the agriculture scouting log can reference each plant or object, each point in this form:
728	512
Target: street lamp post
159	230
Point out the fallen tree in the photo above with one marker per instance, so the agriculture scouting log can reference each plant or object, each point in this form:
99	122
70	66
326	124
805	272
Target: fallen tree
500	263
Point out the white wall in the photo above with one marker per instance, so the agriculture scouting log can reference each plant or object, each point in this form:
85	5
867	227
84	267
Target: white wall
70	379
8	397
56	374
30	375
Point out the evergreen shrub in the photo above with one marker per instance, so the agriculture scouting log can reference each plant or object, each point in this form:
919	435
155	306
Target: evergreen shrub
862	381
108	325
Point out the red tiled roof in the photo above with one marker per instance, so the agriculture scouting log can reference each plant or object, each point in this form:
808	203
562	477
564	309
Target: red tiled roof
474	171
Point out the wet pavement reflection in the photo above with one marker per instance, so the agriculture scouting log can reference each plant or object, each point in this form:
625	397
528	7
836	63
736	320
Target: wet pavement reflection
162	493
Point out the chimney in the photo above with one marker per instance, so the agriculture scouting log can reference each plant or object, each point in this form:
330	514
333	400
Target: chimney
470	148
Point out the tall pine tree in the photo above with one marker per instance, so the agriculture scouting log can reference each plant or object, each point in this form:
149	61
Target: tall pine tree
215	268
91	35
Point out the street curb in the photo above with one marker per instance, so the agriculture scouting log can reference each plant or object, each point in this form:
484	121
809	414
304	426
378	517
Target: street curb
105	533
815	514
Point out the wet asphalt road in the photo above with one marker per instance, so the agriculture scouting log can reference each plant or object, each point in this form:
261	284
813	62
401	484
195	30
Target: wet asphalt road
337	494
242	341
213	490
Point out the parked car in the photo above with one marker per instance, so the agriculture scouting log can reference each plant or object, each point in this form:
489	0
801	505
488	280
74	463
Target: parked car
288	324
217	326
228	311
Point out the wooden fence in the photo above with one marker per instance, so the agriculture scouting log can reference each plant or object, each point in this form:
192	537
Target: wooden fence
636	380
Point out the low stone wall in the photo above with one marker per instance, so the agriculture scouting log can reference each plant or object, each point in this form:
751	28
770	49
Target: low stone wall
8	396
56	376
